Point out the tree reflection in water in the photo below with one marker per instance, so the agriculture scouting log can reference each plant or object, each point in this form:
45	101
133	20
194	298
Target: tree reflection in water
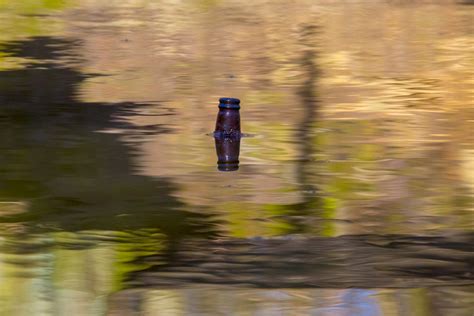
64	168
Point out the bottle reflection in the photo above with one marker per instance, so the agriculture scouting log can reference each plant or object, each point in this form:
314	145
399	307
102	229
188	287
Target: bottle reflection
228	149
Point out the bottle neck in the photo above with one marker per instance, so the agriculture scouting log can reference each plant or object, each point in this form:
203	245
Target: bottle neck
224	106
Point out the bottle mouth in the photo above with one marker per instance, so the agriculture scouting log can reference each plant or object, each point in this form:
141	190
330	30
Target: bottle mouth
229	103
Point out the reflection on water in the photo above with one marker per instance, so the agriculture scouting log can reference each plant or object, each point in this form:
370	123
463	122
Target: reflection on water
362	261
353	197
324	302
228	150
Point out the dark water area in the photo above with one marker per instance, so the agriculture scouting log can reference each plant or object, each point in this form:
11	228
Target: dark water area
351	194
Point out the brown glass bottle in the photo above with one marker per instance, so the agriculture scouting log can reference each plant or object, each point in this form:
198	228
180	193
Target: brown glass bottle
228	118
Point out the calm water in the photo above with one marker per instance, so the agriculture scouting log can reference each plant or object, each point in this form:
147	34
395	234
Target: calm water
354	194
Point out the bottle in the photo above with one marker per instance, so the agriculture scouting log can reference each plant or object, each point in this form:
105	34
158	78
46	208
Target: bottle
228	118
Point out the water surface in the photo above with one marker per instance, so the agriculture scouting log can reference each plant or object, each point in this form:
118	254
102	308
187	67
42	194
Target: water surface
353	196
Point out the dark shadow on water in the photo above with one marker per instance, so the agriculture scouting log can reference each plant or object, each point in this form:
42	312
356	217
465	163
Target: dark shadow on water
299	217
69	175
362	261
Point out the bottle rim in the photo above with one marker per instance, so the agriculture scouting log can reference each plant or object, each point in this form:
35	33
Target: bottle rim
229	101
